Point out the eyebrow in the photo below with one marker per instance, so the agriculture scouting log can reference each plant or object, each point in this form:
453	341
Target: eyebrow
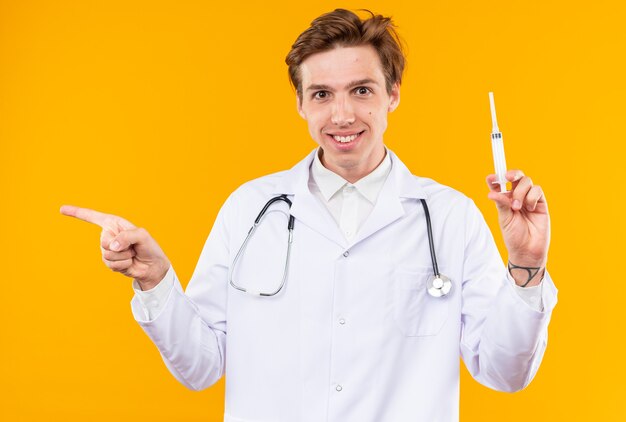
322	87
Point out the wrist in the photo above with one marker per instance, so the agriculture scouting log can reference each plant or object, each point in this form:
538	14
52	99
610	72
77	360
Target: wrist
527	259
147	285
152	281
526	275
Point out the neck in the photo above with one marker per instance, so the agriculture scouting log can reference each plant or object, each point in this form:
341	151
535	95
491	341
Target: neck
353	172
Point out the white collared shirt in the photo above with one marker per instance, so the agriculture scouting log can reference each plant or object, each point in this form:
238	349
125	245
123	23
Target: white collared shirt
349	204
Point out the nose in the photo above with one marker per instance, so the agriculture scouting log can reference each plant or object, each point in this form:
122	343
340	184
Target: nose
343	113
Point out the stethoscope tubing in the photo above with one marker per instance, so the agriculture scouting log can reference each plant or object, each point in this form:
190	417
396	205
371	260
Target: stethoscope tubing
431	242
257	221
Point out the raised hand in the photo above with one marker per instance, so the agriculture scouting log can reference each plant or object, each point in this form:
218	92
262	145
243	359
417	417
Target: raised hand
125	248
525	223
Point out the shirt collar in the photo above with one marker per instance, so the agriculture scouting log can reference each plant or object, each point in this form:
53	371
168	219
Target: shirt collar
369	186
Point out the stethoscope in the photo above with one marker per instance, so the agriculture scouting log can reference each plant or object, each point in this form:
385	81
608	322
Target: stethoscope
437	285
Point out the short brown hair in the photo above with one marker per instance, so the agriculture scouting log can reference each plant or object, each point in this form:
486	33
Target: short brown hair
343	28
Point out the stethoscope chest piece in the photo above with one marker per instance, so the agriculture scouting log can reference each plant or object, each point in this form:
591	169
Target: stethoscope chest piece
438	285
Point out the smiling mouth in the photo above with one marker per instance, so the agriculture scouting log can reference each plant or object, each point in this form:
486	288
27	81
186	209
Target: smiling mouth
346	139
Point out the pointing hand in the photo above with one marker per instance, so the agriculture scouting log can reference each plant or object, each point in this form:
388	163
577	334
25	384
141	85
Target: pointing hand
125	248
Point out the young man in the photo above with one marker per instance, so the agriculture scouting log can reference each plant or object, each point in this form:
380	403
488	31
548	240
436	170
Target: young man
338	315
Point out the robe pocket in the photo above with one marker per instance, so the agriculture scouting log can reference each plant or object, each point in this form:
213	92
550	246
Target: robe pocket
416	312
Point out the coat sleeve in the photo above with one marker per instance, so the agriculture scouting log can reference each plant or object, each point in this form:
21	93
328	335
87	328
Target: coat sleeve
190	329
503	339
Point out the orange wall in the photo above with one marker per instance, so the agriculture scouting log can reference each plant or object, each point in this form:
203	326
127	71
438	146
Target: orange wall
156	110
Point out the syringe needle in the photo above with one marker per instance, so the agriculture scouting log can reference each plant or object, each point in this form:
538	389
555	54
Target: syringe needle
492	106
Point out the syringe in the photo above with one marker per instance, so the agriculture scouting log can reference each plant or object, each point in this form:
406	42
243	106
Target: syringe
497	147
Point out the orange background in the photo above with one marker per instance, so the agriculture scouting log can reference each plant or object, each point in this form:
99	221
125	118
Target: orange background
157	110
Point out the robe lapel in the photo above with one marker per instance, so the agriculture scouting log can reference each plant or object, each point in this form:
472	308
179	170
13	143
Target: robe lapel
399	184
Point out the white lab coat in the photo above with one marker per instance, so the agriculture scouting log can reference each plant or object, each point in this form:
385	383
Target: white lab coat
353	336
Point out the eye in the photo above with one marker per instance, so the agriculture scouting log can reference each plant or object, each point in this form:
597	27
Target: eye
320	95
362	91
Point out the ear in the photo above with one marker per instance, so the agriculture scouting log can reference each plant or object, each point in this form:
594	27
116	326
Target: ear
394	98
299	106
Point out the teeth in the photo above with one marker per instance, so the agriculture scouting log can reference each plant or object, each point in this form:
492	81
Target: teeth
345	139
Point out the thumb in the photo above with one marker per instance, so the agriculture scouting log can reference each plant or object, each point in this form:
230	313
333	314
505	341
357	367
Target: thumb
126	238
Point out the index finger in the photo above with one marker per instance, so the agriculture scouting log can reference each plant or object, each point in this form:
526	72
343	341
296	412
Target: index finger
85	214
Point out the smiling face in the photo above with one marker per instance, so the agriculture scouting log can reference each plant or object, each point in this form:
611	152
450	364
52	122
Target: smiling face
345	104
